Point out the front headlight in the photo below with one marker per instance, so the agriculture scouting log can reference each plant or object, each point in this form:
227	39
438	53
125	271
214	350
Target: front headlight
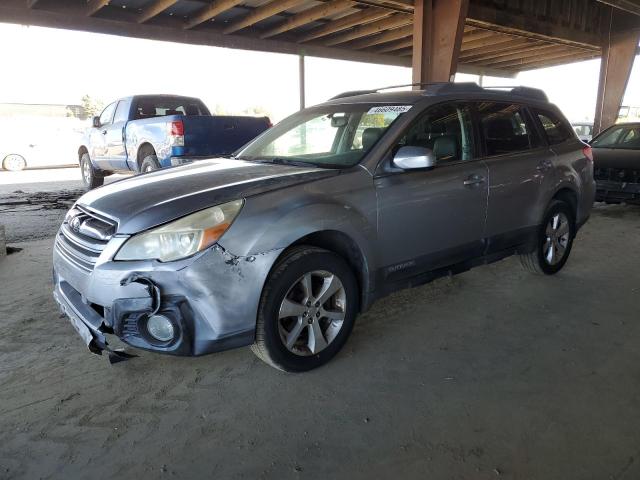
181	238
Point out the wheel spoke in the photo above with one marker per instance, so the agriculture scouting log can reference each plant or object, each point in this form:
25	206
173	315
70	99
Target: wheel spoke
294	334
290	309
307	286
556	221
551	255
563	229
330	286
317	341
559	250
332	315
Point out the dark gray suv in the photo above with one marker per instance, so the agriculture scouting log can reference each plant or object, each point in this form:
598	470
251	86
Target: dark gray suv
281	246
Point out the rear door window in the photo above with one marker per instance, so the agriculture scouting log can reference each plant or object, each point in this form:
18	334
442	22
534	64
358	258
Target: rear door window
554	127
505	128
122	112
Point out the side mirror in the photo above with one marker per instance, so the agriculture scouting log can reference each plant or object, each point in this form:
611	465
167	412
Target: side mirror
410	158
96	122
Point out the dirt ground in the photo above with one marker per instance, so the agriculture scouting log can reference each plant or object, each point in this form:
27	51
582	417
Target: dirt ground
491	374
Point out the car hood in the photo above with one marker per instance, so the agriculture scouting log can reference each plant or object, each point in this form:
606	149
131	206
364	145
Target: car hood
144	201
616	158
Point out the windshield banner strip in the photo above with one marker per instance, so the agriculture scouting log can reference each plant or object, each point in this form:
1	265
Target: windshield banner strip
389	109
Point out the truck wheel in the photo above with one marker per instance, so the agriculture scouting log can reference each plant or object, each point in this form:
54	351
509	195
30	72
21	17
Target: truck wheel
14	162
307	310
149	164
91	176
555	238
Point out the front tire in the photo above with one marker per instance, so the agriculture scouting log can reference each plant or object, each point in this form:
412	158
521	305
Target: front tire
14	162
554	240
307	310
91	177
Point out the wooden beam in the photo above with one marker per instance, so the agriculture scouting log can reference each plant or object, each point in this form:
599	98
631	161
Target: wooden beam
310	15
155	8
626	5
207	13
438	27
397	45
122	22
348	21
397	20
94	5
558	61
267	10
384	37
618	55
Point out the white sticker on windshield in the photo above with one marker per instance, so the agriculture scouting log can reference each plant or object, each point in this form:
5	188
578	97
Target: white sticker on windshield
389	109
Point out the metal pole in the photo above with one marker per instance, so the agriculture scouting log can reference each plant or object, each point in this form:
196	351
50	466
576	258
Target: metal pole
301	80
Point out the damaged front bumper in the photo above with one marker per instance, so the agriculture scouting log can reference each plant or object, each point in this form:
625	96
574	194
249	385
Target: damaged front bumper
211	299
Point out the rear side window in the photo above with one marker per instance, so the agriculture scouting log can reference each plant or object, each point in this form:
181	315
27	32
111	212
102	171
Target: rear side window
505	128
554	128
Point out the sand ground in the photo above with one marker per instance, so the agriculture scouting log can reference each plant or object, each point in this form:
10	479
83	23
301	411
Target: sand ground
494	373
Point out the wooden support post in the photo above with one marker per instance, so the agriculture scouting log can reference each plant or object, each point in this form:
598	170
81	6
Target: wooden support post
619	48
438	26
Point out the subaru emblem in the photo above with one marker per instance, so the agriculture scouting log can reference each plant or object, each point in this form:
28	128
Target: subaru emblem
75	224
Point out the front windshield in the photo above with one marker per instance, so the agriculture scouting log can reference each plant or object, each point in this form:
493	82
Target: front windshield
334	136
622	136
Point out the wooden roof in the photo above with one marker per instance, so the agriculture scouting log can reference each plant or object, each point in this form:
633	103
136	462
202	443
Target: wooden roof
501	36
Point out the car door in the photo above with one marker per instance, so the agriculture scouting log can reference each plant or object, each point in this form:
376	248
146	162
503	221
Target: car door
519	164
98	138
428	219
115	137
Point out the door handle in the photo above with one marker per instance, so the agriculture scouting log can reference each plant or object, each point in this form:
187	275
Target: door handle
104	132
473	180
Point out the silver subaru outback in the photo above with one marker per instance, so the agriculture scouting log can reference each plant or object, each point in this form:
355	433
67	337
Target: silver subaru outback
281	246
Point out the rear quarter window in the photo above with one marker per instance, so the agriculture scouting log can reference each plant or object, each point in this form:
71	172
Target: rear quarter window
553	126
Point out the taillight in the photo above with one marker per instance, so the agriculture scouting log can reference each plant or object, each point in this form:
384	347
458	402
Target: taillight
176	133
588	152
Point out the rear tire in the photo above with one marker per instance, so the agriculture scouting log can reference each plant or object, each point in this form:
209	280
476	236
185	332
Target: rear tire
91	176
554	240
320	292
14	162
149	164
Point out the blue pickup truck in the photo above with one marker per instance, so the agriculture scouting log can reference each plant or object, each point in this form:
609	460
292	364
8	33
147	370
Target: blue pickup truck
146	132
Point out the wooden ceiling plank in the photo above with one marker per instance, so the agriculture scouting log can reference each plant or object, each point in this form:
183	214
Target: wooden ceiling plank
394	21
261	13
562	53
397	45
155	8
507	53
384	37
93	6
310	15
207	13
365	16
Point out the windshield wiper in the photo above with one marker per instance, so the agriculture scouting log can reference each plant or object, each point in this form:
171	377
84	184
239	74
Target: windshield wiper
295	163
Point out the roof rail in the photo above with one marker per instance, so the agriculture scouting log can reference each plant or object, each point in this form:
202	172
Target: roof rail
529	92
435	88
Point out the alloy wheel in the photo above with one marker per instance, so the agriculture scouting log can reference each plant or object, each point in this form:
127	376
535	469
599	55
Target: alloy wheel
557	239
312	313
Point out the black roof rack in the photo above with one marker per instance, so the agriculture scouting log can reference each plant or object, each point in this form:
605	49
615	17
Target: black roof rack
451	87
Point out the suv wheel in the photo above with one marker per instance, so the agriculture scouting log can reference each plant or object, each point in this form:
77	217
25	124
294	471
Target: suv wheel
307	310
554	242
91	177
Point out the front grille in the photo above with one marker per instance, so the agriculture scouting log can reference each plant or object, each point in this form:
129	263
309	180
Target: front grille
83	236
625	175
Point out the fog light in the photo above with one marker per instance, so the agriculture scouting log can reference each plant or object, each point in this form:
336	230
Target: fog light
160	328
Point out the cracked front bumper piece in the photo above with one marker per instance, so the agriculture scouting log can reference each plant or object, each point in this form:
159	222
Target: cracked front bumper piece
206	303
